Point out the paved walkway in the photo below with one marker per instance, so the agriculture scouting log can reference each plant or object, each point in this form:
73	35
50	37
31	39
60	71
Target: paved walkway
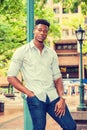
13	124
18	124
13	118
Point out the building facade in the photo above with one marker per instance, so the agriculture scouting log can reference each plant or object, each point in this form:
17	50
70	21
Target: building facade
67	48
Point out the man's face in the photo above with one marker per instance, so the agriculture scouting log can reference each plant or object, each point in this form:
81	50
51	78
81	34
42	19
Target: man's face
40	32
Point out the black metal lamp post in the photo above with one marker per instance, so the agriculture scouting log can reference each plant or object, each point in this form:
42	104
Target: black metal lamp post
80	33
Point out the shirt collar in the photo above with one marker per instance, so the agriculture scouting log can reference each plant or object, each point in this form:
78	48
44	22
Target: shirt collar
33	45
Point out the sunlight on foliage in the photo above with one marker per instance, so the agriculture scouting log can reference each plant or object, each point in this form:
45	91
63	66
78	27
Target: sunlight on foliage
13	18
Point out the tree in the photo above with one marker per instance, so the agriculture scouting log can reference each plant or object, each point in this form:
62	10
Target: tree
70	4
13	26
12	29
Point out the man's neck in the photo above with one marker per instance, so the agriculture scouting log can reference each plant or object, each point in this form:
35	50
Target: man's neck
39	45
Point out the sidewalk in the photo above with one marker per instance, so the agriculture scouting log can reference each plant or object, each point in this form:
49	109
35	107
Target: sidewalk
18	124
13	118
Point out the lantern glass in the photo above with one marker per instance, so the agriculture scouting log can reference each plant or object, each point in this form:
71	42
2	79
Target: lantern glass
80	34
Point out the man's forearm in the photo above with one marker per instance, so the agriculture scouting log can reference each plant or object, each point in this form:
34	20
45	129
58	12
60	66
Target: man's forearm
59	87
19	85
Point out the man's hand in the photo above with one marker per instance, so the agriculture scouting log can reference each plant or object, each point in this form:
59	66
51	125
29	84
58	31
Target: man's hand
31	94
60	107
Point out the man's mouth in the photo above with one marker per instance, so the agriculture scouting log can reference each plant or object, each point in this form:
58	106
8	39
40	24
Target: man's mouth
41	37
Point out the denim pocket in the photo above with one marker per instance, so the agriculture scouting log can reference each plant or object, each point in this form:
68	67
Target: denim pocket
33	100
30	98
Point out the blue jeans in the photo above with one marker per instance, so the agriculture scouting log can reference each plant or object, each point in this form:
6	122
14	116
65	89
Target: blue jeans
38	110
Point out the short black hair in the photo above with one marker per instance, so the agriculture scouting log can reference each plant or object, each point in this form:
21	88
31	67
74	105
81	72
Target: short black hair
42	21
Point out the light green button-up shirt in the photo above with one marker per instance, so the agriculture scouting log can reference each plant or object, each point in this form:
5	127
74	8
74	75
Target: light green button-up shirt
39	70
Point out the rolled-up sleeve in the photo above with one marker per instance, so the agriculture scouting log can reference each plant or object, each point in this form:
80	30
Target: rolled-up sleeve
16	63
55	67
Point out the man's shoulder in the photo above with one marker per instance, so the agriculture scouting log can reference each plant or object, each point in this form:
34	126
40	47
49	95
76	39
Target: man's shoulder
23	47
21	51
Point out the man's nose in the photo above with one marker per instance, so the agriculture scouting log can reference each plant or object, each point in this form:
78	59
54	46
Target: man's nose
42	32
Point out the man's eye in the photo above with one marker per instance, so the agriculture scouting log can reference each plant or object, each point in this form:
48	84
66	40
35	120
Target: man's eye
40	30
44	31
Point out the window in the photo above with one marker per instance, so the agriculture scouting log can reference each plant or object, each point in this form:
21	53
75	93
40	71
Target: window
64	11
56	10
75	10
69	47
72	71
66	47
73	32
85	20
65	32
63	69
74	47
59	47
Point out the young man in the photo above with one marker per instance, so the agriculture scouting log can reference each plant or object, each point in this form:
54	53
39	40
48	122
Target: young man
43	82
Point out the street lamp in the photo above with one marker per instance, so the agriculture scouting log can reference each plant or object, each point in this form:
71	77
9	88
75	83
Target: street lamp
80	33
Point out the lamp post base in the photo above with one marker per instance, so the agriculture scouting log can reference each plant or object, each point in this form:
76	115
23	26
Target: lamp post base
82	107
